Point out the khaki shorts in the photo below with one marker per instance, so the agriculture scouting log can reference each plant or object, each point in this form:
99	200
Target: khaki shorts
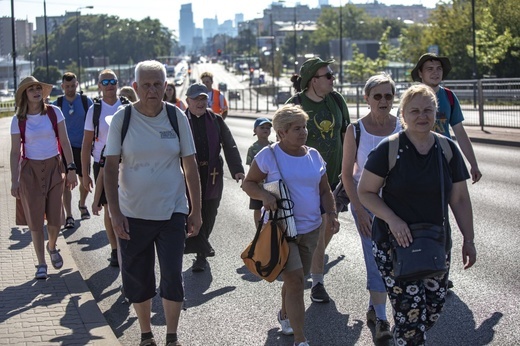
301	251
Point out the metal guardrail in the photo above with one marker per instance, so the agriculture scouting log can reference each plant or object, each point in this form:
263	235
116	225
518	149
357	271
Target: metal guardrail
484	102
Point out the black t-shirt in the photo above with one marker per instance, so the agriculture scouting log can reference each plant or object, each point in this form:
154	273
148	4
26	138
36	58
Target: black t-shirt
412	188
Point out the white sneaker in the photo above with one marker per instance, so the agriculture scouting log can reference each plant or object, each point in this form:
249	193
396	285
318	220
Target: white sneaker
285	324
305	343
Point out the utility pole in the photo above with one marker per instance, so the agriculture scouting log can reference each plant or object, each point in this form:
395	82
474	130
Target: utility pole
13	54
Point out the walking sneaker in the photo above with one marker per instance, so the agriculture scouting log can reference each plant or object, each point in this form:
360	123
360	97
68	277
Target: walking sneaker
114	262
286	325
199	265
305	343
383	330
319	295
371	315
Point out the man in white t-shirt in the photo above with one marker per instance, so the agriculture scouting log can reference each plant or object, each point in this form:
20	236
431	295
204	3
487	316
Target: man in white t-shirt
147	198
94	139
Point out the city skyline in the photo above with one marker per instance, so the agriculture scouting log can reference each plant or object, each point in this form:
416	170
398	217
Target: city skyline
157	9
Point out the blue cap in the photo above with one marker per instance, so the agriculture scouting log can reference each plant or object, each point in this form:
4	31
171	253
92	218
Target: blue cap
196	90
261	121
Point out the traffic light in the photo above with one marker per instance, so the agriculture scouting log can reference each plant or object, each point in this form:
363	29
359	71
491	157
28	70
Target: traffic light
219	52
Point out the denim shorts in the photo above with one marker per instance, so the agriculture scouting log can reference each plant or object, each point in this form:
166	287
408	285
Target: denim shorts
138	257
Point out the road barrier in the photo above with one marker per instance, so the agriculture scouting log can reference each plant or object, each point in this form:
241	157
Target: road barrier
484	102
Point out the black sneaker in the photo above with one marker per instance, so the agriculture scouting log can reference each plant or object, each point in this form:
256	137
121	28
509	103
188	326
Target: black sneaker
450	284
383	330
319	295
199	265
114	262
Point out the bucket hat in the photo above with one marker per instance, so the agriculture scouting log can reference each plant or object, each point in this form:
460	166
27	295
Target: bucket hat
309	69
197	89
445	62
28	82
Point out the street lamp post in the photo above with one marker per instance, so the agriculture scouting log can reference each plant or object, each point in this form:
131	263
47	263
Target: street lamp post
13	37
340	44
77	41
295	53
273	45
46	42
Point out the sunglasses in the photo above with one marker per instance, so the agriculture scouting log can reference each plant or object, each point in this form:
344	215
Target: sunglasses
69	78
112	81
388	97
328	75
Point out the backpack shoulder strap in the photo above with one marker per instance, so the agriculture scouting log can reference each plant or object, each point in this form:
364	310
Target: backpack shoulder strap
126	123
451	98
84	101
172	116
445	146
357	132
59	101
124	100
336	98
21	126
95	117
54	121
393	148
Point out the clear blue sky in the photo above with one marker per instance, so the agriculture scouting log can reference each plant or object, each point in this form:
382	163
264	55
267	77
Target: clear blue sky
167	11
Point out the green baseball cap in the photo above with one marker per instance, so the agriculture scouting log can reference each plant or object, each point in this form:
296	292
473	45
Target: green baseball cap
309	69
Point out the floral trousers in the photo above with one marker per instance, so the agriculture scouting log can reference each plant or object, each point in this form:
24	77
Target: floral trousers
417	304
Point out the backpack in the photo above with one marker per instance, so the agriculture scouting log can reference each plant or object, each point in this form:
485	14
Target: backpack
393	148
97	113
54	121
172	116
451	99
84	101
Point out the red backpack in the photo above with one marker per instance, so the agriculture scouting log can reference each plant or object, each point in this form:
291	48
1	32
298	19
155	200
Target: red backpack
54	121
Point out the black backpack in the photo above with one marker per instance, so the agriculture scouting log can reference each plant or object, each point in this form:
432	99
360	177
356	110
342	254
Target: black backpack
97	113
172	116
84	101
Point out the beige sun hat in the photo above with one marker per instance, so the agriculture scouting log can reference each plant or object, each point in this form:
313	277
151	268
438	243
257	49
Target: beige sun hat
28	82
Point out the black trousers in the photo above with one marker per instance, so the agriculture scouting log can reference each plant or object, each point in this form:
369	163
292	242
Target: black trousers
200	244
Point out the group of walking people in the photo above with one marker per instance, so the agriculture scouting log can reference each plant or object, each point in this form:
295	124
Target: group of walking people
317	146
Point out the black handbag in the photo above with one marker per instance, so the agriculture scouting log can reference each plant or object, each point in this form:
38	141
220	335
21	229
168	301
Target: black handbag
341	197
425	257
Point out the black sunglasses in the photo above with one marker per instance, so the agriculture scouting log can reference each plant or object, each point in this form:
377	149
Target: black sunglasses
328	75
112	81
388	97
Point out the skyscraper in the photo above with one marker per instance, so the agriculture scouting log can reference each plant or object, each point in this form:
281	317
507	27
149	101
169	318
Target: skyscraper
186	27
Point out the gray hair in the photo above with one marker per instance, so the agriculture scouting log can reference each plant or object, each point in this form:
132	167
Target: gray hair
150	65
285	116
376	80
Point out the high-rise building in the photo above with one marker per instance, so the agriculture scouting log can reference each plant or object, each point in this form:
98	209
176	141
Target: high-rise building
324	3
23	35
210	28
186	27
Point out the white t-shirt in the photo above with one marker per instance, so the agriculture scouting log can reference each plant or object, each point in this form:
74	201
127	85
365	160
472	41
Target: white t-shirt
302	175
367	142
40	138
151	182
100	142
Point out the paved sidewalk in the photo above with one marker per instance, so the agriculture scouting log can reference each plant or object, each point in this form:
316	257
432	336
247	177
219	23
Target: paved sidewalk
59	310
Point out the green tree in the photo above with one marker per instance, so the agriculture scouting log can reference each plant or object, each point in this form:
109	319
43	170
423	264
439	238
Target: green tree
40	73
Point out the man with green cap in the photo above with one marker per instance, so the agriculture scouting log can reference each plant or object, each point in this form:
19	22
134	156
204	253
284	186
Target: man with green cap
432	70
328	120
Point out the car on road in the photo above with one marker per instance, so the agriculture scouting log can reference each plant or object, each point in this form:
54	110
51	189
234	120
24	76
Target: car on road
234	95
281	97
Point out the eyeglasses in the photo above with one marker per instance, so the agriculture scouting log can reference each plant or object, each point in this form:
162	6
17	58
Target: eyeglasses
388	97
112	81
328	75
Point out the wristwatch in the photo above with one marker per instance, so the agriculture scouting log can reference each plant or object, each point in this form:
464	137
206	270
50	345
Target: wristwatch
71	167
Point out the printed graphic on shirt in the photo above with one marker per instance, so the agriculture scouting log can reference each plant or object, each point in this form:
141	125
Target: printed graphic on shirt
168	134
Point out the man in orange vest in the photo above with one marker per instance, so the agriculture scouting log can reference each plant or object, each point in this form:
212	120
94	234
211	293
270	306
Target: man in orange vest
216	100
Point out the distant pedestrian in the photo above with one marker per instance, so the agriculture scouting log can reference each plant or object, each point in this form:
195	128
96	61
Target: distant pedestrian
432	70
211	136
216	99
147	199
74	107
128	92
170	95
262	129
38	175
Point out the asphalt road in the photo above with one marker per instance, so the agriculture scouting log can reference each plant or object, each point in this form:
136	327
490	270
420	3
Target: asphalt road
226	305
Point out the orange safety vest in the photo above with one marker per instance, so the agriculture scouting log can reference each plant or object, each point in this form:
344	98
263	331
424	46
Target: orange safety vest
215	105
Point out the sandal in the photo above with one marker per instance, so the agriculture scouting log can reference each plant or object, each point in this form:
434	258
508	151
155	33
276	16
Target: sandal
148	342
85	215
56	259
41	272
70	223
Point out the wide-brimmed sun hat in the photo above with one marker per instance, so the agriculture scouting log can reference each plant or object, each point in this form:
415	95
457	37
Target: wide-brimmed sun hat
28	82
309	69
445	62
